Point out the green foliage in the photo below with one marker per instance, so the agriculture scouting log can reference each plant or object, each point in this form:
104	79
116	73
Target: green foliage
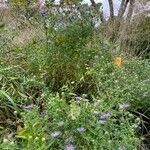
22	3
37	132
139	71
67	56
23	10
69	2
65	88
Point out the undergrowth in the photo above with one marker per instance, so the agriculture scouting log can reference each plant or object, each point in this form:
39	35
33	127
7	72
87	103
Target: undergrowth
69	91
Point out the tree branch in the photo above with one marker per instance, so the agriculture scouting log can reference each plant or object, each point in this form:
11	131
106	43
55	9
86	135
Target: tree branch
100	12
130	10
123	7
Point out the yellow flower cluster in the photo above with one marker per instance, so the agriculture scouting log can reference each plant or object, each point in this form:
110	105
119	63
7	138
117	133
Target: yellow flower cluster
118	61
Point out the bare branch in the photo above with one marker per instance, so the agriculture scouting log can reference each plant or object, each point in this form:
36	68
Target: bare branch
98	11
123	7
130	10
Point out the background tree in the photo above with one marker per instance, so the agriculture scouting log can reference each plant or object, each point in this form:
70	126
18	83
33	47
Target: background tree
123	27
28	8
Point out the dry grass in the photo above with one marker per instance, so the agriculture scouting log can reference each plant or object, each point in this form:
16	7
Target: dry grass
125	35
24	36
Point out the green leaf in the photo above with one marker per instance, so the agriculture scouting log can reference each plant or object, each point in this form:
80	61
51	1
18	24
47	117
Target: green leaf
9	98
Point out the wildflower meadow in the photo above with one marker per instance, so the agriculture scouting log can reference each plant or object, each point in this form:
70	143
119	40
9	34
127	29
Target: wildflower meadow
67	83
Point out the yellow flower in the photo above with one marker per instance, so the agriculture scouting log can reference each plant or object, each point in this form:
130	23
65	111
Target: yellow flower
117	61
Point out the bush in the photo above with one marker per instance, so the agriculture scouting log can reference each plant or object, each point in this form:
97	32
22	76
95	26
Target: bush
137	38
80	124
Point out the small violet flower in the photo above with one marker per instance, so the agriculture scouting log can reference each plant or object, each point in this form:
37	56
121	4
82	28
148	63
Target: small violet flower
55	134
69	147
81	129
104	116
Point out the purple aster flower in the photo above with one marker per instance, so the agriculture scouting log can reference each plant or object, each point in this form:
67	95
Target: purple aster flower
30	106
69	147
104	116
124	106
55	134
121	148
81	129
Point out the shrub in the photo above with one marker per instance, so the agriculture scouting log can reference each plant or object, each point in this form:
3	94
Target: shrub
137	38
81	125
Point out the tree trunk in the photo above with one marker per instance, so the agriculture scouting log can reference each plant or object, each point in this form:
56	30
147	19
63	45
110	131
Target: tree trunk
2	14
121	12
111	7
130	10
122	8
